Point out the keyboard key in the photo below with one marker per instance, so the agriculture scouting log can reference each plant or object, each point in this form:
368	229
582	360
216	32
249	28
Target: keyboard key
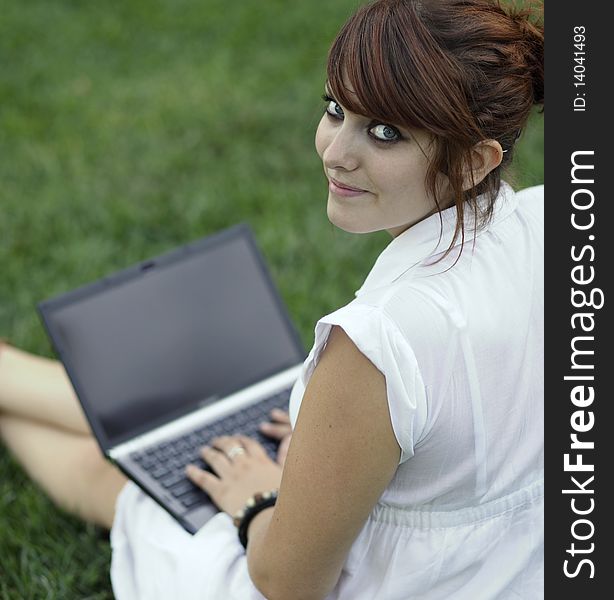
172	479
176	463
194	498
194	440
159	471
182	487
161	455
148	462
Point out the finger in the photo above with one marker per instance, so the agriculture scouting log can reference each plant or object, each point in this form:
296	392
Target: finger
226	443
204	480
280	415
217	460
222	441
274	430
253	447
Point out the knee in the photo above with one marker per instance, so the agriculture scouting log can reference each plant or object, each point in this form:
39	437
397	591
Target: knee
98	482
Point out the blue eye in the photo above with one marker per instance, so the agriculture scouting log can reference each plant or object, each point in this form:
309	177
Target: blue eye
332	108
385	133
379	132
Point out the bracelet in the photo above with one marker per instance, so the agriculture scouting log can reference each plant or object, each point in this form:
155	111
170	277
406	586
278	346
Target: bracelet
257	503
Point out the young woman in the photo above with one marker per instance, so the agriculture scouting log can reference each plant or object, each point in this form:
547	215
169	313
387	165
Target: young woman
414	468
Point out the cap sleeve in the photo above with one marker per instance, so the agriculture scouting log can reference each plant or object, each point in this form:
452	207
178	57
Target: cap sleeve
377	336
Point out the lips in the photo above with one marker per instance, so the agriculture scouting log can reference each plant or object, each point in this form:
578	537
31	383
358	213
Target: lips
345	186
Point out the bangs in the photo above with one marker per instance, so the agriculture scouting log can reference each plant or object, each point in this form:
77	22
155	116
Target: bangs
382	62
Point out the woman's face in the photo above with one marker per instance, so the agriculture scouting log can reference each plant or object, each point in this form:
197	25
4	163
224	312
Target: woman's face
384	166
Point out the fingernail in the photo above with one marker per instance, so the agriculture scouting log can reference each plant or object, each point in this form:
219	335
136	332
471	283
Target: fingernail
264	425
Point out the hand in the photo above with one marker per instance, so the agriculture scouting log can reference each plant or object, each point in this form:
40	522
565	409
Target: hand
279	430
238	478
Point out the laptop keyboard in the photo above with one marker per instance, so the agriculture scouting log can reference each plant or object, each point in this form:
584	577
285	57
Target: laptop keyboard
167	460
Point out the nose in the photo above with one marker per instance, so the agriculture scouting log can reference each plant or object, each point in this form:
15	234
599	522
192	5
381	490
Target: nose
341	151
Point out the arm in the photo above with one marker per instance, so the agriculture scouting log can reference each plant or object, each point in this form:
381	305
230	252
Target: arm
342	455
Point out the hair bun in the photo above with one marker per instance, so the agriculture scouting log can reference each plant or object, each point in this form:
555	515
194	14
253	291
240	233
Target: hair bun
532	33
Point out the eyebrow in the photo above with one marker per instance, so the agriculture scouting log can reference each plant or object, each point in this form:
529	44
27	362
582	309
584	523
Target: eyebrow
402	129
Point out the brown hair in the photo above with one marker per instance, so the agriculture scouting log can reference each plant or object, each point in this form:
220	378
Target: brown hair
463	70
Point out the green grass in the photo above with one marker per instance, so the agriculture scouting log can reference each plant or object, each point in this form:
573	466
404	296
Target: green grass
130	127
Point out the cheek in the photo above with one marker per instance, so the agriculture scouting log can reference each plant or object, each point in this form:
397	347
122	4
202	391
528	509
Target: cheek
408	175
322	137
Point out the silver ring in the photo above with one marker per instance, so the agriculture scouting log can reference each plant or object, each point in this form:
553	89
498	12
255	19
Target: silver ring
235	451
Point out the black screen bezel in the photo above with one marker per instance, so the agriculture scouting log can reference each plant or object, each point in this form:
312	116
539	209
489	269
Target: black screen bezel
47	308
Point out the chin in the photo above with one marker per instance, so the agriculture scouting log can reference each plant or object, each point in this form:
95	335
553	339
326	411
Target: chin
348	220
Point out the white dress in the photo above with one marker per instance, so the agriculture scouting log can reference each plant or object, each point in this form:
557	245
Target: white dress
462	353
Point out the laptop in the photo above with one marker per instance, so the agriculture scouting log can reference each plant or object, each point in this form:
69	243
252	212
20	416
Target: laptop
174	351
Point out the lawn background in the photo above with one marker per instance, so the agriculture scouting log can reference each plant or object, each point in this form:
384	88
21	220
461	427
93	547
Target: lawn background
128	128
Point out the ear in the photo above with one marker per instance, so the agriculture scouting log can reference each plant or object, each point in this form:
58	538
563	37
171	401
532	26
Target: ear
485	156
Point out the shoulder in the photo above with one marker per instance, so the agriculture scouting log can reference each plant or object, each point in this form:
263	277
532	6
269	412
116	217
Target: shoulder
420	309
392	319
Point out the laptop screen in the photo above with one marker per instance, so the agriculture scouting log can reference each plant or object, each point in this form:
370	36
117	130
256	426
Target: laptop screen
171	335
